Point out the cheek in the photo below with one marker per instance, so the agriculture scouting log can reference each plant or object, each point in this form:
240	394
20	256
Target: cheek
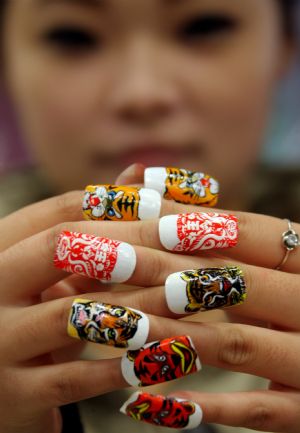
58	110
232	96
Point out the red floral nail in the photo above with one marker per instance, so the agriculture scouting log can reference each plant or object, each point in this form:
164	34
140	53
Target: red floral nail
95	257
198	231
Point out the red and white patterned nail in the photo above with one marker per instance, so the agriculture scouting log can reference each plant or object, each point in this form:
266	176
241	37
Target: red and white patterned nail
104	259
198	231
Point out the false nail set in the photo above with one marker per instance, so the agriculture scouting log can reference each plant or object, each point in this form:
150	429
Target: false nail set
186	292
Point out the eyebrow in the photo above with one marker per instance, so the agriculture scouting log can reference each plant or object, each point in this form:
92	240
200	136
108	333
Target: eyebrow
85	3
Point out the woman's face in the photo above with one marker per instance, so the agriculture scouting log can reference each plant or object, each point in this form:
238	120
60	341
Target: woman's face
99	84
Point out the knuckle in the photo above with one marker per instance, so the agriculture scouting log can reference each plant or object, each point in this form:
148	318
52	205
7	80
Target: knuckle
156	269
67	205
65	389
259	418
236	348
143	233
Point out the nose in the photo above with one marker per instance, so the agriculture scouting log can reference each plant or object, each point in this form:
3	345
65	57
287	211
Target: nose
145	90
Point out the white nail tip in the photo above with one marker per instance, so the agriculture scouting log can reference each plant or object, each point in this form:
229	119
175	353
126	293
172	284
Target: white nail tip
125	265
150	204
141	335
155	178
175	290
168	231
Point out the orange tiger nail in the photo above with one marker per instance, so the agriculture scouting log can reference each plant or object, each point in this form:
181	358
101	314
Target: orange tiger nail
120	203
183	186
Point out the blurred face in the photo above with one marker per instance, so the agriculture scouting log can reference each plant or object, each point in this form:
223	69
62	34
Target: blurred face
100	84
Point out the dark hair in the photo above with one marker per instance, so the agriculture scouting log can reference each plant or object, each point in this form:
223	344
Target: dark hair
287	8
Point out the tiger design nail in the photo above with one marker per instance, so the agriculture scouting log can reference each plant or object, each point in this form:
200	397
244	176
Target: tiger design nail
160	361
183	186
163	411
205	289
120	203
107	324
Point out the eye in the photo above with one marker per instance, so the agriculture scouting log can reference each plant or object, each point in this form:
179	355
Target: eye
71	38
111	212
160	358
206	26
118	313
111	334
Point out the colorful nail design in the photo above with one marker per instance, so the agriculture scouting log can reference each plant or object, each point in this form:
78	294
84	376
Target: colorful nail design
205	289
198	231
94	257
160	361
163	411
120	203
108	324
182	185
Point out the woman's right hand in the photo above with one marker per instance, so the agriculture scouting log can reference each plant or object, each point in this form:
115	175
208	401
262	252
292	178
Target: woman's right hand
33	386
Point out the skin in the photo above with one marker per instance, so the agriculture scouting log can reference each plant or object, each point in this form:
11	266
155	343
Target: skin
145	91
71	107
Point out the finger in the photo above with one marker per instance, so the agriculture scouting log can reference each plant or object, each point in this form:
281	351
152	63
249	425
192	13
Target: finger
40	216
259	237
87	255
47	327
258	410
132	175
248	291
258	351
70	382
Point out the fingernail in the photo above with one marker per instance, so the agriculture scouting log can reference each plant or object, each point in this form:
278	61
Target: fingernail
160	361
198	231
182	185
205	289
108	324
163	411
94	257
120	203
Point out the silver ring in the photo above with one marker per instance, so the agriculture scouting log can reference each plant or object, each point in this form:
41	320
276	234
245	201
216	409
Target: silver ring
290	241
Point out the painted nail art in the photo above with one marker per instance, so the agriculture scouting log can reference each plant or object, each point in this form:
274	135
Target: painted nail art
182	185
160	361
94	257
163	411
108	324
198	231
120	203
205	289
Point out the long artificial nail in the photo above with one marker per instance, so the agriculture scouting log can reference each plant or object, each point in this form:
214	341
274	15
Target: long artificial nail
182	185
94	257
205	289
108	324
198	231
120	203
160	361
163	411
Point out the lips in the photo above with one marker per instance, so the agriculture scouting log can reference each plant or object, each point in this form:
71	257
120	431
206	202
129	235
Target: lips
150	152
